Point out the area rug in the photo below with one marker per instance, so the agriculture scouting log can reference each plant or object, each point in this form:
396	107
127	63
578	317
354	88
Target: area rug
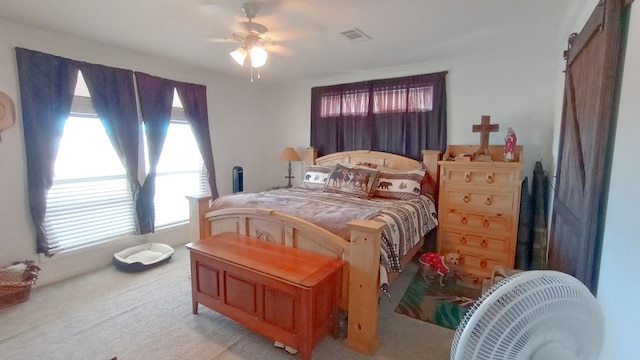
425	299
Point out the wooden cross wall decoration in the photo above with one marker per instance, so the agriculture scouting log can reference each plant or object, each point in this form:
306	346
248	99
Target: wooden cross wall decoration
484	128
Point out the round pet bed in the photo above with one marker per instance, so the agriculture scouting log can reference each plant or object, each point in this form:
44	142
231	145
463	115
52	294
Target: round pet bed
142	257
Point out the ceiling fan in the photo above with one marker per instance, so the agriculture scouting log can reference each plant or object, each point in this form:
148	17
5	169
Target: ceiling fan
253	40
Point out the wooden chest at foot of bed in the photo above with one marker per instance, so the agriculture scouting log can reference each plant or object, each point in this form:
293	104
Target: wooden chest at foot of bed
286	294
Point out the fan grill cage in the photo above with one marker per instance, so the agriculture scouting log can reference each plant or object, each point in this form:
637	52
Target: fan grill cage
525	311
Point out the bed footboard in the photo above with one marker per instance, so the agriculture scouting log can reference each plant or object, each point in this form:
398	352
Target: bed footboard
361	254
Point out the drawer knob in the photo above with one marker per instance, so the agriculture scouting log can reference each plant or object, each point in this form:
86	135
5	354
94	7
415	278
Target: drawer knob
487	201
463	240
483	264
484	244
467	177
486	223
489	178
464	220
466	198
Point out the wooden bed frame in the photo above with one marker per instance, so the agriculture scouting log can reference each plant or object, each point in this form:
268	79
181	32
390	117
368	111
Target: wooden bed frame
361	254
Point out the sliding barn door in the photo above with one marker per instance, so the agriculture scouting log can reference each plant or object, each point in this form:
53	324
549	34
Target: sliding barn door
586	139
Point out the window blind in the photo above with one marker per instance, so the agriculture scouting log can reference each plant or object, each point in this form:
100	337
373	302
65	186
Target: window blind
89	211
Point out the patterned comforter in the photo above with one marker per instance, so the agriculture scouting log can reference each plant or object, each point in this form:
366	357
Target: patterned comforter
406	221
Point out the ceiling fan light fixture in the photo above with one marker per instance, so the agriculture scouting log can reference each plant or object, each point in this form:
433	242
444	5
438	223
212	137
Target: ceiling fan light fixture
258	56
253	41
239	55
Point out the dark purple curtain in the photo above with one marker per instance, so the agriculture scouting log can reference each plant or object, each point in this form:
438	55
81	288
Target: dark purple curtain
404	133
47	84
340	132
194	101
156	99
113	96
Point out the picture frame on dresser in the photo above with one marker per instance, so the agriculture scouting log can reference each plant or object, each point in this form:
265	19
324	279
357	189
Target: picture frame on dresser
478	207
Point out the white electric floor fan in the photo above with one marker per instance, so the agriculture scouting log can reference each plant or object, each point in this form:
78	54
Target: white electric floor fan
538	315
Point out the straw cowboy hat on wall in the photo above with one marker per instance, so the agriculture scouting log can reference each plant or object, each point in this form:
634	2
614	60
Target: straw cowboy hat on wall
7	112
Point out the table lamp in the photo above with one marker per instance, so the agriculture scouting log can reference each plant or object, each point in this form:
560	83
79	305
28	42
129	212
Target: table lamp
289	154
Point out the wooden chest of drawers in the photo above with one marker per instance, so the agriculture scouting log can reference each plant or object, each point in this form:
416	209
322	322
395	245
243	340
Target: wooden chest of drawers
478	210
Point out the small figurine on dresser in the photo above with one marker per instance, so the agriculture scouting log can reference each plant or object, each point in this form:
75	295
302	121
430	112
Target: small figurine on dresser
510	145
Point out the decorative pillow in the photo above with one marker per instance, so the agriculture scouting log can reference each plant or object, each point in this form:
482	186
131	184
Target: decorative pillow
354	181
315	176
399	184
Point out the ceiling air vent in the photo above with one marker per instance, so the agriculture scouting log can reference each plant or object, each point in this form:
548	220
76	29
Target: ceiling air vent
355	35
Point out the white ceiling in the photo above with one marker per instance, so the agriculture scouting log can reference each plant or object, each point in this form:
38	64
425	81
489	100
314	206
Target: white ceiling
307	33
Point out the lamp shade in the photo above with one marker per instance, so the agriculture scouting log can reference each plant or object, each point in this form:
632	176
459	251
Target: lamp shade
258	56
239	55
289	154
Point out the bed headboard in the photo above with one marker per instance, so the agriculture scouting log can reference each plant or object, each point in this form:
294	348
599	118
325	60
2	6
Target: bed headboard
429	159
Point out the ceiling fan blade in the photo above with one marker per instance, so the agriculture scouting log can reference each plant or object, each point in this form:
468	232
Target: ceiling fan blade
280	50
292	27
222	40
286	35
235	38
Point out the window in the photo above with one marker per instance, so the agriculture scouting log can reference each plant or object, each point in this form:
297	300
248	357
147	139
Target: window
403	99
180	171
347	103
385	100
90	200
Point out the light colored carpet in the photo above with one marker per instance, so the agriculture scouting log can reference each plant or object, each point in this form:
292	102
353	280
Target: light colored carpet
147	315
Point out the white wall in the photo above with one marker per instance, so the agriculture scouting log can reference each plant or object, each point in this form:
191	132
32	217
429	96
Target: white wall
618	285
